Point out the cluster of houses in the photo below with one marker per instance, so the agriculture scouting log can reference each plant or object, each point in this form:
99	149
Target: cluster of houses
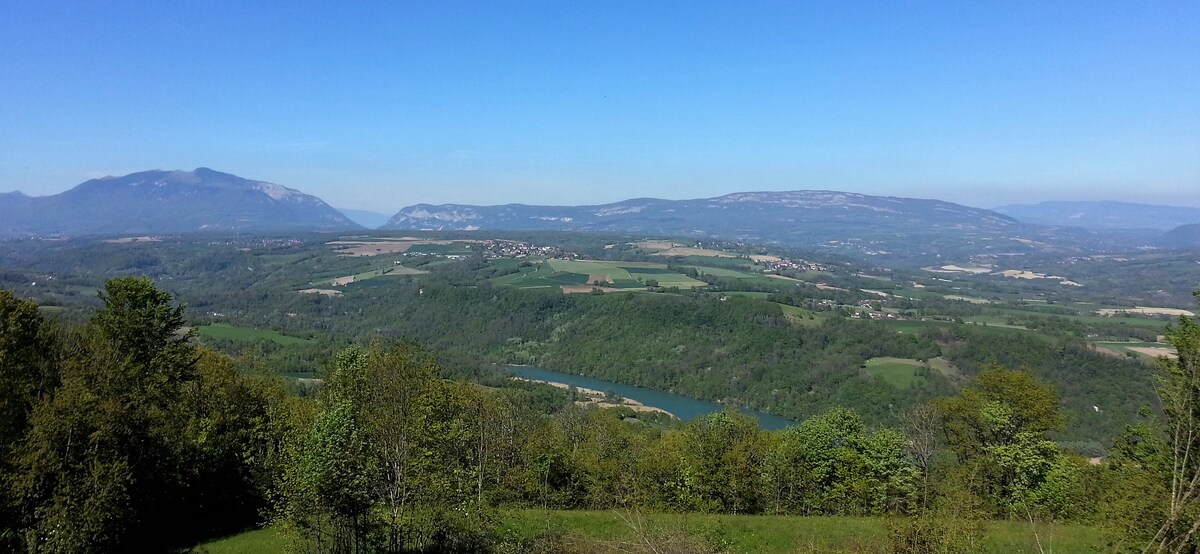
783	264
516	249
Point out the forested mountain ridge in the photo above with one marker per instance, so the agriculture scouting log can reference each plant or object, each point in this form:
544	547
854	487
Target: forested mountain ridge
1183	236
883	228
167	202
731	215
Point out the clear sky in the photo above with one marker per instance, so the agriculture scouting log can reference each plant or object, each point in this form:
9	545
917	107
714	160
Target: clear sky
378	106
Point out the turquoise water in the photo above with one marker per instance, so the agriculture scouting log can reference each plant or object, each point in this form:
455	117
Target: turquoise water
681	407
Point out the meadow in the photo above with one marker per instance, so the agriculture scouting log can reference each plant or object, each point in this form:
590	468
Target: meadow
222	331
620	530
901	373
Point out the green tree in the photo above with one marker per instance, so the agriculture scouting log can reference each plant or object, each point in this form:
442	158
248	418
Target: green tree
1179	389
102	464
720	465
26	370
998	427
832	464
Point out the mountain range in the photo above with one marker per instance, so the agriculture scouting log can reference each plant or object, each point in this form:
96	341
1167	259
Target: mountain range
882	227
1103	215
839	220
167	202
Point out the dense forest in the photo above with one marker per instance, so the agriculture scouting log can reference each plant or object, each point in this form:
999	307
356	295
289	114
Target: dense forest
121	433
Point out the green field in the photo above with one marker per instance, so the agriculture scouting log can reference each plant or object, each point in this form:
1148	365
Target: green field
606	530
898	372
391	270
591	267
1146	322
266	541
222	331
722	272
624	275
540	276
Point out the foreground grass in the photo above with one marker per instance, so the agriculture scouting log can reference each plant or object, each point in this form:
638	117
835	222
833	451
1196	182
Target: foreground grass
749	534
780	534
267	541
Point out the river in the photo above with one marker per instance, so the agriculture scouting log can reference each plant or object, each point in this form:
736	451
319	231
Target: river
680	406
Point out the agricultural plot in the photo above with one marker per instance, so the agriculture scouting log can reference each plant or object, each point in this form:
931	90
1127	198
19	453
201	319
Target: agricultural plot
592	268
540	277
709	261
685	251
222	331
447	249
612	276
722	272
901	373
395	271
358	248
1150	350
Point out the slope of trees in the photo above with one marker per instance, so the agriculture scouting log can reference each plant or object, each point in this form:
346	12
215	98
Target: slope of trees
123	435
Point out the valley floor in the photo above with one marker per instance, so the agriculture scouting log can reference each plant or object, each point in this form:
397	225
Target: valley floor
617	531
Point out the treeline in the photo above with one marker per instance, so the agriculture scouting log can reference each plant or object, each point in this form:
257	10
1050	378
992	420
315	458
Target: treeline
123	435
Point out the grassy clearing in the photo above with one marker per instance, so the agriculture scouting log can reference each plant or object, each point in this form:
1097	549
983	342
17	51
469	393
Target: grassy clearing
898	372
267	541
916	326
222	331
944	367
801	316
749	534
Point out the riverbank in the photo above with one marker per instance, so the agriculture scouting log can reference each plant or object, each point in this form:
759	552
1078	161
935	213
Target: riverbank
598	398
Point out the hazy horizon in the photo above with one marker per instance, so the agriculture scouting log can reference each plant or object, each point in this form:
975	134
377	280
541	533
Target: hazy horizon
1194	200
381	106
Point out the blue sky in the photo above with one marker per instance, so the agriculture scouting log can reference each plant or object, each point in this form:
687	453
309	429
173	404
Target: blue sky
381	105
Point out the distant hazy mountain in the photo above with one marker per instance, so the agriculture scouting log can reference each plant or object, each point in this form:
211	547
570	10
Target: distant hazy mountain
1184	236
368	219
838	220
1103	215
167	202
